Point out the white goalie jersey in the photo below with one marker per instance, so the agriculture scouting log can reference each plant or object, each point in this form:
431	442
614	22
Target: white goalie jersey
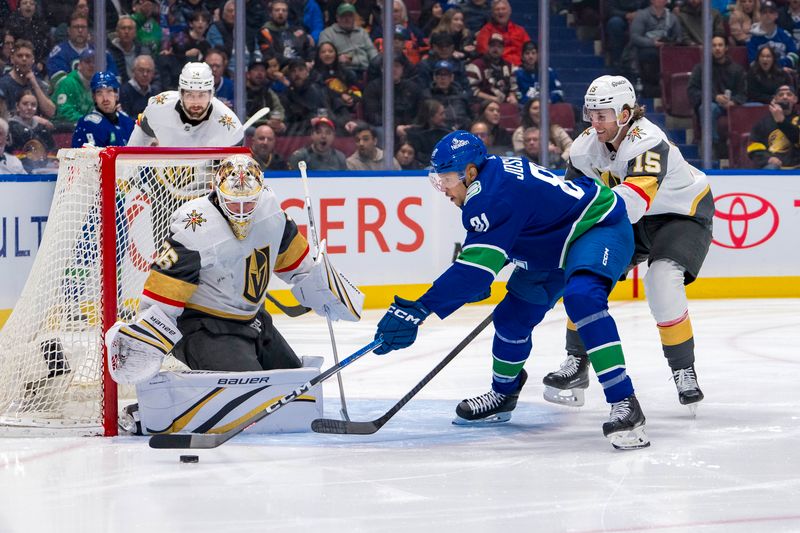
163	120
647	171
204	269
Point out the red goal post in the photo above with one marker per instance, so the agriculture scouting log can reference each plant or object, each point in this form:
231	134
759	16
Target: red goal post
110	213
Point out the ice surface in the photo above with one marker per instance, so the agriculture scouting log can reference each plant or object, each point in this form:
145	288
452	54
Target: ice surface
736	467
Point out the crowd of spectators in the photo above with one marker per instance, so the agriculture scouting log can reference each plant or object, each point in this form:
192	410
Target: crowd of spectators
315	63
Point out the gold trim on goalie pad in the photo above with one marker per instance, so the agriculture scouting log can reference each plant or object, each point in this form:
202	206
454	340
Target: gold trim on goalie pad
249	414
337	283
218	313
146	337
184	418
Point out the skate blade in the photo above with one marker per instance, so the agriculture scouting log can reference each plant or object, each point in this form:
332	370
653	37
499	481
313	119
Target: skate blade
568	397
629	440
692	409
489	420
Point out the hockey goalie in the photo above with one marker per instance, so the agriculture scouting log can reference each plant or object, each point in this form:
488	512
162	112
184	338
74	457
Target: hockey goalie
203	303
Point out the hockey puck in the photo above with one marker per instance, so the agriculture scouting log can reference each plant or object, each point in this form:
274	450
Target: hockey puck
190	459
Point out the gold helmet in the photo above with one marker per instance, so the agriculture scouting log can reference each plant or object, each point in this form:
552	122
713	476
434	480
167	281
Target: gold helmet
239	182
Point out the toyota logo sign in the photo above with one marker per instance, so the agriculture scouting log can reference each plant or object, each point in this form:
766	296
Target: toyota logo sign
743	220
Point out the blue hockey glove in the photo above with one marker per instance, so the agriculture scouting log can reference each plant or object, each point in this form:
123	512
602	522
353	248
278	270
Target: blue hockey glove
399	325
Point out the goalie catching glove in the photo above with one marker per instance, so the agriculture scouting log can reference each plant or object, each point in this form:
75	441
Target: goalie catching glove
136	351
328	292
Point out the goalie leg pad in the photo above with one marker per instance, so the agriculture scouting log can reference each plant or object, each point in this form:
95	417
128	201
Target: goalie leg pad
328	292
214	402
136	351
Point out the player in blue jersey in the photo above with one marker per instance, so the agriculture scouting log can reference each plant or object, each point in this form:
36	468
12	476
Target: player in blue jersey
105	125
569	239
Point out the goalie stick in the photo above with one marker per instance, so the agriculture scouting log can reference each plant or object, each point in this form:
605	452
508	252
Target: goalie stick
290	310
212	440
313	230
330	425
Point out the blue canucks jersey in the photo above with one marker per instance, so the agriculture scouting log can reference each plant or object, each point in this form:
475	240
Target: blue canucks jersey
516	211
97	130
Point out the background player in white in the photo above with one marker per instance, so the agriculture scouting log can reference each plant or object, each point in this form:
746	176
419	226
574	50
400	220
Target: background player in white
671	206
191	116
205	292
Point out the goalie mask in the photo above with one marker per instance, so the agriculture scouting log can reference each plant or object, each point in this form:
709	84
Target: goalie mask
239	183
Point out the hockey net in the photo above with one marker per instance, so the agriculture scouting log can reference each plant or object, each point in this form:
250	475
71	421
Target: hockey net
110	213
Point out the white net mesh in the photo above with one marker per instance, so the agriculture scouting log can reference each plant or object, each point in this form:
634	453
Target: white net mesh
51	349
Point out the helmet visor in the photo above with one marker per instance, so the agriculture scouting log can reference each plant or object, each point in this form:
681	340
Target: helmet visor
599	115
445	180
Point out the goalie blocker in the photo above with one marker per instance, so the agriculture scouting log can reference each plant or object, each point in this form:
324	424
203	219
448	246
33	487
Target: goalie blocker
213	402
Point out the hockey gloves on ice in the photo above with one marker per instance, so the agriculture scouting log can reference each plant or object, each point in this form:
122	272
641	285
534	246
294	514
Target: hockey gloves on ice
399	325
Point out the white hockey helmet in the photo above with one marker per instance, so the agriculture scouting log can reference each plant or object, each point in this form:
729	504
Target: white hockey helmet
239	183
196	77
609	92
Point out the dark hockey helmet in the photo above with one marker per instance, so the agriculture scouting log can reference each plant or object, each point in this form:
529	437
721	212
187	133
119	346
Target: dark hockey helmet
452	154
104	80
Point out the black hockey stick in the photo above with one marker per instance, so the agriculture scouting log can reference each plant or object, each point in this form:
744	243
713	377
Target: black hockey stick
212	440
330	425
290	310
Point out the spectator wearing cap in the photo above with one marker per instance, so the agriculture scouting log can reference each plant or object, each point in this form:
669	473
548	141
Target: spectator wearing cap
407	95
259	96
453	98
513	35
476	14
402	43
528	77
65	55
263	148
491	78
104	125
284	40
72	96
767	31
442	49
9	163
775	139
367	155
353	43
320	153
303	100
413	37
134	95
22	77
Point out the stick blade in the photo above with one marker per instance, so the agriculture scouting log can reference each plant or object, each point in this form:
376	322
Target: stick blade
182	441
341	427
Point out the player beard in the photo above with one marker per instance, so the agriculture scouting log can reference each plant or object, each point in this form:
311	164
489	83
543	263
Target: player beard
196	112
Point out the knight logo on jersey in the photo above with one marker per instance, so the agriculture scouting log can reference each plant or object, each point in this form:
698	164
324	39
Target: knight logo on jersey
256	275
226	121
194	219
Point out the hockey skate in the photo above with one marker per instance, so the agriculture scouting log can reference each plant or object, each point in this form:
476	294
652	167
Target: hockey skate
565	386
689	393
489	408
129	421
625	426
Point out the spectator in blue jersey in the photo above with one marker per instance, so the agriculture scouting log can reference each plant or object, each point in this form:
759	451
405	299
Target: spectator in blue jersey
567	239
528	77
105	125
64	56
766	31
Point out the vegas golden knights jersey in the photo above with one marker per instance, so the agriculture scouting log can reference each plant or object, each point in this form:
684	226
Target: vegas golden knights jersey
647	171
203	269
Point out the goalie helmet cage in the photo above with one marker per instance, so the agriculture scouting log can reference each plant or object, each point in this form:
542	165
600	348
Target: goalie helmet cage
109	216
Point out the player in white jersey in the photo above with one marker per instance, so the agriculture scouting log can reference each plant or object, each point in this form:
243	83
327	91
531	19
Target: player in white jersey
191	116
671	206
204	297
